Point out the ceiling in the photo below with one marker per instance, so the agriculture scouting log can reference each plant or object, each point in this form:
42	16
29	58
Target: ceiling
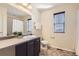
15	11
43	6
15	8
25	5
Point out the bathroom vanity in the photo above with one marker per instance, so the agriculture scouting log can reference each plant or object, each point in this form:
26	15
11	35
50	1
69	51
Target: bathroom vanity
25	46
28	48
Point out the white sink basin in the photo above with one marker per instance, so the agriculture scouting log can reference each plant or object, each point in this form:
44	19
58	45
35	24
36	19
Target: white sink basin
29	37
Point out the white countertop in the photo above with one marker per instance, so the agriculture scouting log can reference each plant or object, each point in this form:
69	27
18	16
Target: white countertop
15	41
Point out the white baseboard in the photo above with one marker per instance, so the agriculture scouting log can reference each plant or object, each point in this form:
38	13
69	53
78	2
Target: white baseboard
63	48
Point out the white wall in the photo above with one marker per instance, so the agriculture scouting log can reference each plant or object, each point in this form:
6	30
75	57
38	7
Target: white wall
65	40
3	20
36	21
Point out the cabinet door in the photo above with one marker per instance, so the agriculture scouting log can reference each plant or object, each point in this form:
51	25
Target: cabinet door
21	49
30	48
37	46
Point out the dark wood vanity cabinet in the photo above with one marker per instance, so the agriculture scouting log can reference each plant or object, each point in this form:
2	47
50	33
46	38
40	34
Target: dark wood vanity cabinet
36	47
20	50
29	48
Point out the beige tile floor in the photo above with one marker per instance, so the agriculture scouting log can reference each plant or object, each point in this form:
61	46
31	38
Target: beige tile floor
55	52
